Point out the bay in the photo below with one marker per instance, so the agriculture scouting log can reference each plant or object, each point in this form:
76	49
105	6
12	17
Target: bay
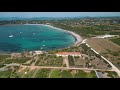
17	38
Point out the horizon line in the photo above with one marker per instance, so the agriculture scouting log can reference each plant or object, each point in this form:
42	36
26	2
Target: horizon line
54	16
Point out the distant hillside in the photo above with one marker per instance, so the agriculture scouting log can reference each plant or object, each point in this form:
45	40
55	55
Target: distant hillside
33	18
52	18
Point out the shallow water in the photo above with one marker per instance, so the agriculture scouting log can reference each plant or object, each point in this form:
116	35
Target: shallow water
17	38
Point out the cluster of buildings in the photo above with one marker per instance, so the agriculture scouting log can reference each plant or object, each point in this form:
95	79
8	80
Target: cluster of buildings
32	53
26	54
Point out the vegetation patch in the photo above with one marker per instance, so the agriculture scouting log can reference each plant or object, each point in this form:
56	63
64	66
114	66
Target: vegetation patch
42	73
18	60
66	74
55	74
3	58
116	40
71	60
5	74
49	60
82	74
112	74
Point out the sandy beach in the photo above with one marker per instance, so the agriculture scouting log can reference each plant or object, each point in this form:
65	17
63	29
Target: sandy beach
77	37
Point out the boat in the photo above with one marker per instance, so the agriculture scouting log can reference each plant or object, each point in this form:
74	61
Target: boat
33	33
11	36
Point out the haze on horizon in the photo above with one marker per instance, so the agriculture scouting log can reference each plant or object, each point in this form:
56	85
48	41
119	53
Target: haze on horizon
57	14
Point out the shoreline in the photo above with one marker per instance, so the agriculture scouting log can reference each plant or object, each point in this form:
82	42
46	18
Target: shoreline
78	39
76	36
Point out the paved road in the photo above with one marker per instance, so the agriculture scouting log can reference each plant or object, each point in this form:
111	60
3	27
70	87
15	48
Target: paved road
114	68
99	74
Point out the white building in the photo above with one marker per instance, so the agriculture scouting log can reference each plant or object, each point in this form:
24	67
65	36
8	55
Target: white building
106	36
38	52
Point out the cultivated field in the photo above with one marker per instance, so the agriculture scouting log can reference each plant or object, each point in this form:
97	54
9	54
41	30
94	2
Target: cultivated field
49	60
55	73
103	45
107	48
91	62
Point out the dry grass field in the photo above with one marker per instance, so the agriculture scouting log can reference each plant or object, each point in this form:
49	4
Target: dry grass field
107	48
103	45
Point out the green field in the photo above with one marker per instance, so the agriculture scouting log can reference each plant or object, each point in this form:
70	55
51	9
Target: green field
112	74
29	74
82	74
42	73
5	74
3	58
116	40
47	73
49	60
55	74
68	74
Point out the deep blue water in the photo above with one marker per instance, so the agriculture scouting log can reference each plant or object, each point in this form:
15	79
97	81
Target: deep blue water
17	38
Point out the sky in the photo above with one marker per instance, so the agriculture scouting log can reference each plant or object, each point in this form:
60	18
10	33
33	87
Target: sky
57	14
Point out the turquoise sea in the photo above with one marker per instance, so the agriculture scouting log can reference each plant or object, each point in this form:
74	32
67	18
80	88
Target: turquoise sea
18	38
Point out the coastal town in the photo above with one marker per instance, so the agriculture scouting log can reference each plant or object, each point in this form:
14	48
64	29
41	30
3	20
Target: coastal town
95	54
